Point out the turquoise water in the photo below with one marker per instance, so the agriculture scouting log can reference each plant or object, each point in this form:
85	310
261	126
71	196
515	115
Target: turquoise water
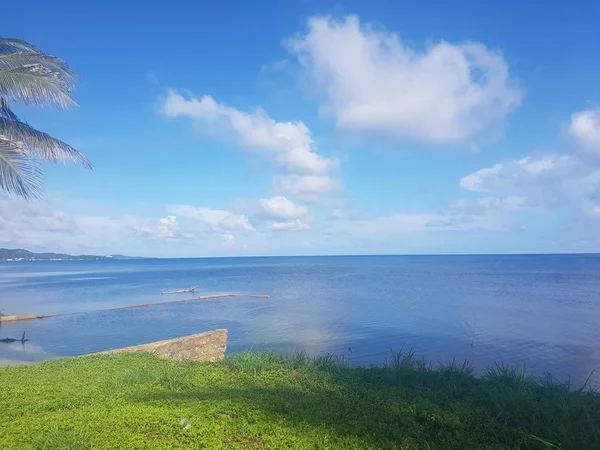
541	311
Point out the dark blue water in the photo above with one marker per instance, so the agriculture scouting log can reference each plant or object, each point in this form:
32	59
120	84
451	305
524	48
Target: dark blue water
541	311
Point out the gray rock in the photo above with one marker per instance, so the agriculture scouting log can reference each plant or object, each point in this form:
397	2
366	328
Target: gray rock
209	346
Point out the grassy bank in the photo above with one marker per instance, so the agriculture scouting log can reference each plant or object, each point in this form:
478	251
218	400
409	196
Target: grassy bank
264	401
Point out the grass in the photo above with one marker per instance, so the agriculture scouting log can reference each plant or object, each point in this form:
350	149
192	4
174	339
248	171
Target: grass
256	401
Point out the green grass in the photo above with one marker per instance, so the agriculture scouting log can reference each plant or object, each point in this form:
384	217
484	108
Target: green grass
255	401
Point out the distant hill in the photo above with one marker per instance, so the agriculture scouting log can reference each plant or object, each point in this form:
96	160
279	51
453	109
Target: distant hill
19	254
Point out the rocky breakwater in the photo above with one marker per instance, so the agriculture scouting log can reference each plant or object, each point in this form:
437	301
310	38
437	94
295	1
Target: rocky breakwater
209	346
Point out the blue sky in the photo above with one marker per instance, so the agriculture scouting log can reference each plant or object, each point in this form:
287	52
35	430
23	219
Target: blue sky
304	127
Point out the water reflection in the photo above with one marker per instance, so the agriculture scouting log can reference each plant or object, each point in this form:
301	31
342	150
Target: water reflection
22	353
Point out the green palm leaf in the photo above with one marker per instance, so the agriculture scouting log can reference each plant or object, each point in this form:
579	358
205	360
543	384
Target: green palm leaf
31	77
5	111
41	144
35	84
8	45
19	173
20	59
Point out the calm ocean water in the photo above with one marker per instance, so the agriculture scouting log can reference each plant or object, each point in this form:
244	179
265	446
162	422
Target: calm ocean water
541	311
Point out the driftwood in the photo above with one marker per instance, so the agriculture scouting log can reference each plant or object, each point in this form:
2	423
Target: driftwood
9	340
181	291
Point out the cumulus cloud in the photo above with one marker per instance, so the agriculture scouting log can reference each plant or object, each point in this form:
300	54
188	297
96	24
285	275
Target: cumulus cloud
577	165
16	216
347	213
165	228
481	206
181	230
401	224
385	225
215	220
286	225
487	213
370	80
584	129
276	213
43	226
309	188
595	211
281	207
528	171
289	144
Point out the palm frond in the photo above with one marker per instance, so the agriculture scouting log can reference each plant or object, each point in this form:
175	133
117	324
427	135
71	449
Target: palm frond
9	45
19	173
29	76
5	110
13	60
36	84
41	144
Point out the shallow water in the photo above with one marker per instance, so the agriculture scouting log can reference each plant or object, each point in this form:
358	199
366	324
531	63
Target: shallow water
541	311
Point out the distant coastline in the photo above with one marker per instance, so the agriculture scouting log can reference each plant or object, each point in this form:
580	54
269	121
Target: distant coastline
19	254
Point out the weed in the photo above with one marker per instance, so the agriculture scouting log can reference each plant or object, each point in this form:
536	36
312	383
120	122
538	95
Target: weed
265	400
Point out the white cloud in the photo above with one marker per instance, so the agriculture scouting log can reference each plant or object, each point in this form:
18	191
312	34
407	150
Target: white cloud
216	220
484	205
577	167
370	80
186	230
385	225
166	228
17	216
276	214
42	226
281	207
529	171
584	129
487	213
349	214
286	225
228	240
309	188
290	143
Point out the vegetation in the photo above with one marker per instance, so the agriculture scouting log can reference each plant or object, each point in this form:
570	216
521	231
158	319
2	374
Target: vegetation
30	77
252	401
19	254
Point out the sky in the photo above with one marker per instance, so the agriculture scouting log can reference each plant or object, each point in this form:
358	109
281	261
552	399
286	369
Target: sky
304	127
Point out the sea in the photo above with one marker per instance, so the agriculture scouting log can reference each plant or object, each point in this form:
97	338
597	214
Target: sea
540	313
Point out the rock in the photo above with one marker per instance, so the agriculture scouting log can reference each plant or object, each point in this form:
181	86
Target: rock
209	346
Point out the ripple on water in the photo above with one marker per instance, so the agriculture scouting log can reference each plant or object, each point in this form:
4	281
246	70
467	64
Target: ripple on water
542	311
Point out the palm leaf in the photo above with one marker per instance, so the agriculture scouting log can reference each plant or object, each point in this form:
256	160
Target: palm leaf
14	60
19	173
5	111
8	45
41	144
36	84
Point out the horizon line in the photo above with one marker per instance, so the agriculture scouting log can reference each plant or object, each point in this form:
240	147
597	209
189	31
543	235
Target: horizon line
371	255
